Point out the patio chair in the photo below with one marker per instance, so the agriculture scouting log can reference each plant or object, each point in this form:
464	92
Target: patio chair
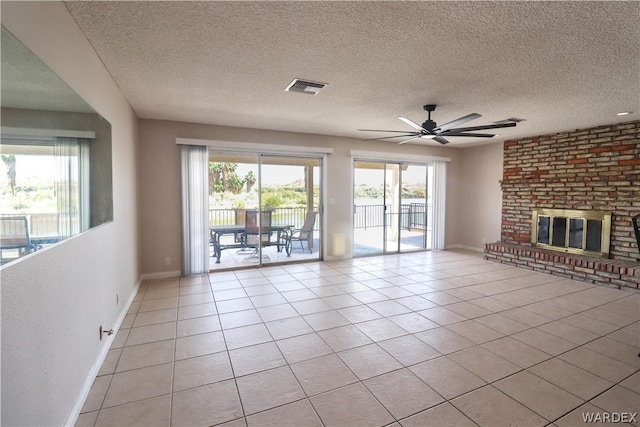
257	233
305	234
44	228
14	234
636	227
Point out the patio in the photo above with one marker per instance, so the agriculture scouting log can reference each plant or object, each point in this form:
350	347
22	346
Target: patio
238	258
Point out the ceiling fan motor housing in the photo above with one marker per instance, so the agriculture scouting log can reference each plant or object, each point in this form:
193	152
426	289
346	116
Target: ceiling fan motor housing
429	125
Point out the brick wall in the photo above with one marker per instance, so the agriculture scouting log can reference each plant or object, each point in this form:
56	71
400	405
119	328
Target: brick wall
590	169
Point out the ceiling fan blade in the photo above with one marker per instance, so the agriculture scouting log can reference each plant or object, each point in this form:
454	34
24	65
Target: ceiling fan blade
412	124
380	130
458	130
477	135
410	139
457	122
391	137
441	140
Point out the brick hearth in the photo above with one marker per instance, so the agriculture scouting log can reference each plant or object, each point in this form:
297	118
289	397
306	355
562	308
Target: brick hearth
588	269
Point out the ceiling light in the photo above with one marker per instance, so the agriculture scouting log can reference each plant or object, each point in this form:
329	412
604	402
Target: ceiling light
624	113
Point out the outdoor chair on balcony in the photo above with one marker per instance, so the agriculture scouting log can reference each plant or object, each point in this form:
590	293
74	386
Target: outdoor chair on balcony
305	234
43	228
256	233
14	235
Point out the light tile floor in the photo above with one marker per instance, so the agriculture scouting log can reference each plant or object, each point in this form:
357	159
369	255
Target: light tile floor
435	338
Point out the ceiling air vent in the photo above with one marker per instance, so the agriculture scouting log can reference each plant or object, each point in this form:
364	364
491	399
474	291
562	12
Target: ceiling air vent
305	86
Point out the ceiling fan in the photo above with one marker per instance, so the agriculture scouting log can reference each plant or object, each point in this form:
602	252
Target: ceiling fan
430	130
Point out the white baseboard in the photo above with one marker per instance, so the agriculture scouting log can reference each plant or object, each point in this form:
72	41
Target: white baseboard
93	373
338	257
160	275
468	248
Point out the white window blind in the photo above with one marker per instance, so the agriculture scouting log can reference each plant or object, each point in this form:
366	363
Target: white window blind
195	207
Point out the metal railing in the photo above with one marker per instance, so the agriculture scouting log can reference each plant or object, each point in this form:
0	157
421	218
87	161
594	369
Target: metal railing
45	227
223	216
366	216
413	216
293	216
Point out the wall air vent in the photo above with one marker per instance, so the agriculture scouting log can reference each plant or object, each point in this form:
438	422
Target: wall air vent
305	86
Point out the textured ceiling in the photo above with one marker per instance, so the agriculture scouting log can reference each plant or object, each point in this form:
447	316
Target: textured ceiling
559	65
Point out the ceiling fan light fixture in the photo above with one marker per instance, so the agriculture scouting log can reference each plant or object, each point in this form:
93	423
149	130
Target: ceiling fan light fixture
428	136
624	113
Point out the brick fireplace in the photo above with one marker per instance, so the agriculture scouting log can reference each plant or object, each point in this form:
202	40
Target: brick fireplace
596	169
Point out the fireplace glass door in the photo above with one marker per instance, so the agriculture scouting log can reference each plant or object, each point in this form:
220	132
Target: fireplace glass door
594	231
575	231
544	229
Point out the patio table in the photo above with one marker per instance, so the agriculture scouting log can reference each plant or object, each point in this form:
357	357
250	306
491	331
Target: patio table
283	238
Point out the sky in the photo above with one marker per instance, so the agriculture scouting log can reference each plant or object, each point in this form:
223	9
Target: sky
40	168
277	174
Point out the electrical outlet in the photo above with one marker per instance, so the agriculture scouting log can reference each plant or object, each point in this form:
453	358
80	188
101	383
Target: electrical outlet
105	331
167	260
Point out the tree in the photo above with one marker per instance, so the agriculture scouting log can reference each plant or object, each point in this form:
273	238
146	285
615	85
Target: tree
272	201
214	176
234	183
10	162
250	179
223	177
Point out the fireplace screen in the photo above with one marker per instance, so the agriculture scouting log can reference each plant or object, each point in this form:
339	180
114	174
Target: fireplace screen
575	231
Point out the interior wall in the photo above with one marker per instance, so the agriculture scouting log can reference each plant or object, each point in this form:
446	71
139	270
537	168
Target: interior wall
159	182
480	195
54	300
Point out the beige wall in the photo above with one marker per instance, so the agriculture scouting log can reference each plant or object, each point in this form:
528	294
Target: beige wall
480	195
53	301
159	181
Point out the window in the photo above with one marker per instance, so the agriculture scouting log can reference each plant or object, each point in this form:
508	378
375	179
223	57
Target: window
45	181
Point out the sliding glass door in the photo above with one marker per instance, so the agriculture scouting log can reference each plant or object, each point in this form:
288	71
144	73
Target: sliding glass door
290	192
391	207
415	208
234	200
369	203
264	209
